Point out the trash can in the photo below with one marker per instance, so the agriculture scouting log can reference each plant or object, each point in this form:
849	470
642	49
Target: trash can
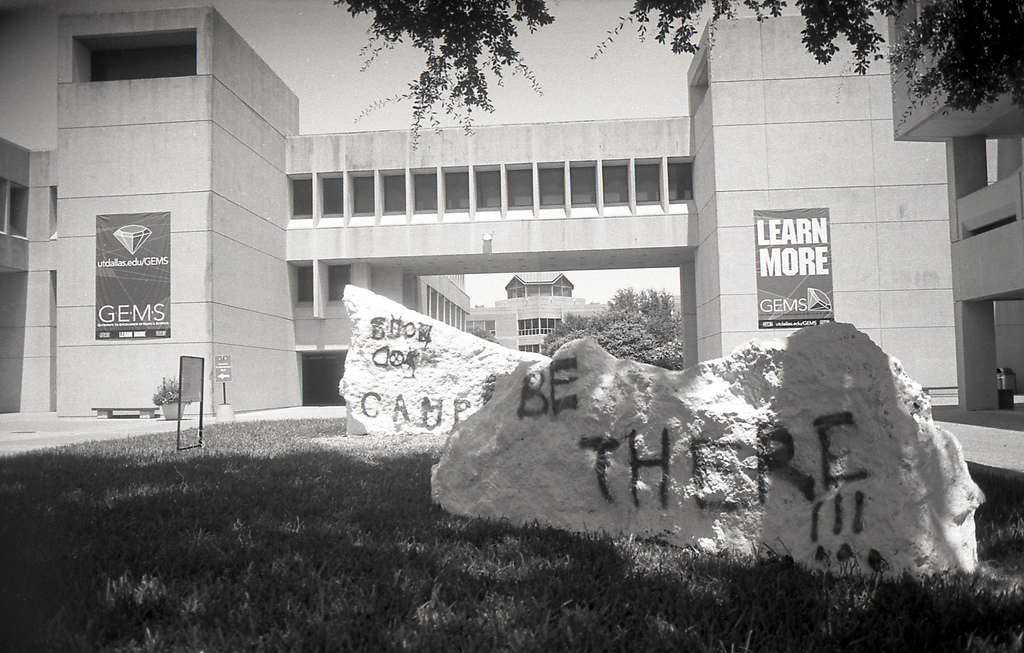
1006	386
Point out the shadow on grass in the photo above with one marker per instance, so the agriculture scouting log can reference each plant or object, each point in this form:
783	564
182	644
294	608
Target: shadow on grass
268	540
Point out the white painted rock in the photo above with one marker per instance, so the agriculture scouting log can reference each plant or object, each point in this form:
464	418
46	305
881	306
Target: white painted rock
820	448
408	374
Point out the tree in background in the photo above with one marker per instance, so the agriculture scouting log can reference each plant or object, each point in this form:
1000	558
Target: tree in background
483	334
640	326
970	52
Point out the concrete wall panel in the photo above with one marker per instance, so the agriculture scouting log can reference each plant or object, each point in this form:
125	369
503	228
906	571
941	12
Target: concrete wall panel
822	155
737	260
912	203
241	176
912	256
933	365
134	160
247	126
855	256
134	102
732	57
742	157
859	308
816	99
241	70
739	103
845	205
901	162
917	308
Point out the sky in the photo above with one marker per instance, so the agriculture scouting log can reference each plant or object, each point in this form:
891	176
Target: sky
317	49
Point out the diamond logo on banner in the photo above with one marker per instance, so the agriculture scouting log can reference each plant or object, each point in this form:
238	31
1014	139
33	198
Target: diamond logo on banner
132	236
818	300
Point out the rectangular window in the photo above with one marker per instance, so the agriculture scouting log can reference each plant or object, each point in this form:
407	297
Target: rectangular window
425	191
304	276
680	182
520	188
338	277
19	211
648	183
333	195
53	211
529	327
616	184
552	186
4	184
141	56
302	198
362	195
488	189
456	191
549	324
583	185
530	348
394	193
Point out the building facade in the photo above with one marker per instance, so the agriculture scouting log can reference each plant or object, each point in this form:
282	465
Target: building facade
984	151
168	118
537	304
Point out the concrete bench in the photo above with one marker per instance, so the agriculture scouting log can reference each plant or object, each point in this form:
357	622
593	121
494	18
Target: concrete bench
148	411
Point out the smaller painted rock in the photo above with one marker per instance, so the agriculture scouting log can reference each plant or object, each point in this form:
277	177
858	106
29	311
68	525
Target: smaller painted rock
408	374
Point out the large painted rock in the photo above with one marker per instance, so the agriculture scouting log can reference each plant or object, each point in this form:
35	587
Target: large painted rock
821	448
408	374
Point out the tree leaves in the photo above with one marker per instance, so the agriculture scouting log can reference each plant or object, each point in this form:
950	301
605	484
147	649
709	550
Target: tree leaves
640	326
969	51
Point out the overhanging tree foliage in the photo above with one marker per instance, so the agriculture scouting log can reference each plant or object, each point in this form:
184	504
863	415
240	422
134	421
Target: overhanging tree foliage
970	51
641	326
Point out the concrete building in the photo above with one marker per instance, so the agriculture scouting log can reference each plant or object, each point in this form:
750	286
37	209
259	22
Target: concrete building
985	181
787	171
537	303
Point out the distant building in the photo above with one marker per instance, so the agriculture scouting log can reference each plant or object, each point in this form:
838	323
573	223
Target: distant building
537	303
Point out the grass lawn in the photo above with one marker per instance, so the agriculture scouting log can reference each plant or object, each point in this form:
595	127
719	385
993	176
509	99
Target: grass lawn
292	536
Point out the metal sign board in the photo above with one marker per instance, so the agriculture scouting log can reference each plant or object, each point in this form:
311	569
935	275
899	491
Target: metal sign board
794	268
222	368
190	390
133	276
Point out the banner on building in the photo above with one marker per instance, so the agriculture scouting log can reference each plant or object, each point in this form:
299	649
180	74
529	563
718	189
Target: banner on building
794	268
133	276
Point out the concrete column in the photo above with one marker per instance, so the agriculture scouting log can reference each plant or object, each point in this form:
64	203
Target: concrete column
966	172
1010	156
688	318
319	288
360	275
976	355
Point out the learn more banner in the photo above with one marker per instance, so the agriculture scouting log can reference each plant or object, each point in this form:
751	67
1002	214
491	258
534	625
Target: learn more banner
133	276
794	268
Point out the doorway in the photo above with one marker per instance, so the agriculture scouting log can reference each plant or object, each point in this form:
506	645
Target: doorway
321	373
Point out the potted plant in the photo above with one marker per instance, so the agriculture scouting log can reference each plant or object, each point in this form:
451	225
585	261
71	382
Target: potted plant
166	396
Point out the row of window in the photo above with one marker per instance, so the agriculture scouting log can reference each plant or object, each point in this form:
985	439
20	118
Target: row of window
487	326
559	289
437	306
338	276
425	191
530	348
444	310
538	326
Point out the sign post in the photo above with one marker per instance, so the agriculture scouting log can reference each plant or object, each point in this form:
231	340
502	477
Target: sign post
222	375
190	389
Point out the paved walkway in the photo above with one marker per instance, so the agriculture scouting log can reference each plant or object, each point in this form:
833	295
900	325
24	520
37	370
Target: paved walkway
27	431
992	438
